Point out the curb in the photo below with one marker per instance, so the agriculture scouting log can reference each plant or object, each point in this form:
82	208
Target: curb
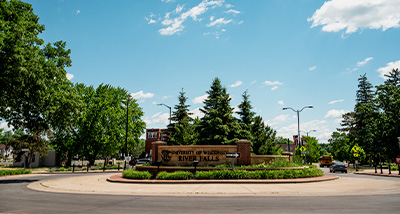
378	174
120	179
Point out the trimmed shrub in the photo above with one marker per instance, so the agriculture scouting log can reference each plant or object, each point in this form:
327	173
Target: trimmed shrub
133	174
14	172
179	175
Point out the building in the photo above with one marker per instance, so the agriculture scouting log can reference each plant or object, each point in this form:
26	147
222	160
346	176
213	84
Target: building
153	135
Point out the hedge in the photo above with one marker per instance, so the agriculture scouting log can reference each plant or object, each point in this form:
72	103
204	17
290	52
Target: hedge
241	174
14	172
133	174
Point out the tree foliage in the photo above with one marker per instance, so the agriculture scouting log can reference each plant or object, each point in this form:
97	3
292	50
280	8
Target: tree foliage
218	126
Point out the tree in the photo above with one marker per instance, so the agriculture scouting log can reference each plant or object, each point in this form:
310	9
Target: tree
340	146
218	126
246	117
36	95
264	138
101	127
313	148
388	99
183	131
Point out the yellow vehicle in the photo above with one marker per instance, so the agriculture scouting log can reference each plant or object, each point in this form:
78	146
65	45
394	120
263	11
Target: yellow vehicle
325	161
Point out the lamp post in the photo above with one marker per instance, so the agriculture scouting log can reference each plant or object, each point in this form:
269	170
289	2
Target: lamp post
298	120
310	131
162	104
126	127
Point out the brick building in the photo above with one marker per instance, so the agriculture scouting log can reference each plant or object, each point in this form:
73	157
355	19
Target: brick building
153	135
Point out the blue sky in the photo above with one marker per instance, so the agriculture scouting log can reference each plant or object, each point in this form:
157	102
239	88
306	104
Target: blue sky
285	53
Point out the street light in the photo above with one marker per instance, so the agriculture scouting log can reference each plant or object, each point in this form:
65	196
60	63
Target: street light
162	104
298	120
310	131
127	123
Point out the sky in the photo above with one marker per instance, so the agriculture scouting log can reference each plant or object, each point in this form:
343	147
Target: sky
284	53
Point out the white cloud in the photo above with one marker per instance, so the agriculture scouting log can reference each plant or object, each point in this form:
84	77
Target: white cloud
197	113
168	1
176	25
178	9
158	118
200	99
232	11
321	126
70	76
236	84
335	101
219	22
278	120
151	21
338	15
362	63
312	68
280	102
140	94
77	12
273	83
332	114
389	67
274	88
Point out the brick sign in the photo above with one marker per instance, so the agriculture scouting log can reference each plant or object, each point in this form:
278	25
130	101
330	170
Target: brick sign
185	155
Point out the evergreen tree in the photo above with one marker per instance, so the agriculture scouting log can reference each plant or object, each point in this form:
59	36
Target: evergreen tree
365	114
183	130
246	117
181	110
388	99
218	126
264	138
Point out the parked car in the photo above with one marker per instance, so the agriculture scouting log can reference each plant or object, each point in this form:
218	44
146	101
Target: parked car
338	166
144	160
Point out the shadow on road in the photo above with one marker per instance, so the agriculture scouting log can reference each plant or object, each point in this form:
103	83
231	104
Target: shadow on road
17	181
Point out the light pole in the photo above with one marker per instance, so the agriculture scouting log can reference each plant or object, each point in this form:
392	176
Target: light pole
310	131
298	120
162	104
127	123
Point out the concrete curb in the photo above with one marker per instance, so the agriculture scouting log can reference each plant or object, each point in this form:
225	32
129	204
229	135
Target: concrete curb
378	174
119	179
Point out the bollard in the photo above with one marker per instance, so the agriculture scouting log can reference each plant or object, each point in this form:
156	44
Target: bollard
73	168
104	169
390	170
124	165
375	168
87	168
381	168
118	166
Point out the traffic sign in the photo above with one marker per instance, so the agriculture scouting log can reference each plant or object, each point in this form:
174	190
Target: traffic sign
306	152
303	154
303	149
355	154
232	155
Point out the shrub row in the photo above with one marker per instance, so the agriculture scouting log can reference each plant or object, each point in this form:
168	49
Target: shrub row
14	172
133	174
226	174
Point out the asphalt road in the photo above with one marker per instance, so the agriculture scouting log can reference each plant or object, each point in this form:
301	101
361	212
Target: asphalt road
15	197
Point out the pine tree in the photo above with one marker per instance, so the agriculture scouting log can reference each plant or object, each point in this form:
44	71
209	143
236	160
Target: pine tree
264	138
181	110
246	117
218	126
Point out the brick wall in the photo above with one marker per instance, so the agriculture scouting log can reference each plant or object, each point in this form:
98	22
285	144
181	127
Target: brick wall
244	148
155	146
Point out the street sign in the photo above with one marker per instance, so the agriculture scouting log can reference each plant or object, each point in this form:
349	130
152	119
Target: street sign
355	155
303	154
303	149
398	160
232	155
127	158
306	152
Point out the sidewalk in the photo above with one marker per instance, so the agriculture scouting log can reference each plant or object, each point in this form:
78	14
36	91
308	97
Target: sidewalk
96	183
385	172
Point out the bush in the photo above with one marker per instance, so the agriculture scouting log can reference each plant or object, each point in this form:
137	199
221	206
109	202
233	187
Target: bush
14	172
133	174
179	175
